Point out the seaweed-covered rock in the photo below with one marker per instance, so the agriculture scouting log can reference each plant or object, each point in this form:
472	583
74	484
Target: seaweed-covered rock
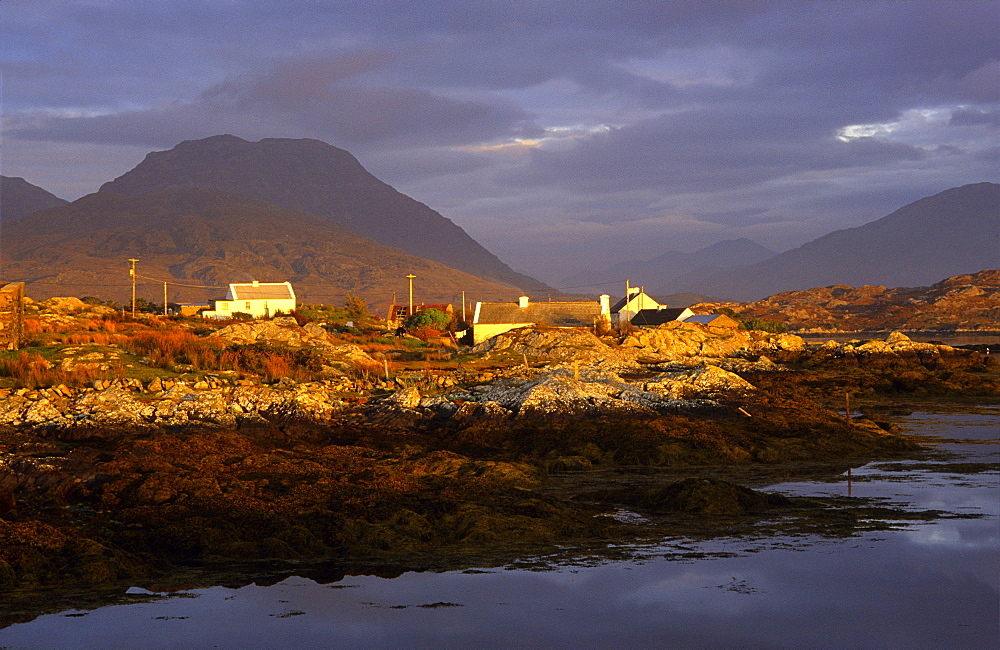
695	496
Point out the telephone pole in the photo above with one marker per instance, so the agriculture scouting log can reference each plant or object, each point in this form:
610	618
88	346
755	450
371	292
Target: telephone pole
463	307
131	272
164	298
410	277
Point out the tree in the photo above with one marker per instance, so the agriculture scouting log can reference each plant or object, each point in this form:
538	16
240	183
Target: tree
355	306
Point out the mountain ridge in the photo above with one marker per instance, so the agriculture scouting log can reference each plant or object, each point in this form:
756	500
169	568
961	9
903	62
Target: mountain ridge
209	238
19	198
950	233
657	274
312	176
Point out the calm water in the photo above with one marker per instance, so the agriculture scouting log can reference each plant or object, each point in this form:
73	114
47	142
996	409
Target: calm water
929	585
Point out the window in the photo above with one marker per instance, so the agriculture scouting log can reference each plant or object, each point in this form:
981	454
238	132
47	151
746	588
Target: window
248	304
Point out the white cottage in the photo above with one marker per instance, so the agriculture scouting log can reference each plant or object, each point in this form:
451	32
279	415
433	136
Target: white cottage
259	299
493	318
635	300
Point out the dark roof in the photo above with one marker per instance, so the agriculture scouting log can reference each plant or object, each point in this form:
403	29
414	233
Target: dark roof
566	314
263	291
617	307
654	317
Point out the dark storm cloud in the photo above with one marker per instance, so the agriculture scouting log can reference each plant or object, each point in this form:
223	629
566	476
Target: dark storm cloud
313	96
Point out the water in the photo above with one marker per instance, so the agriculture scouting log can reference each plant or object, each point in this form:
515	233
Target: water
927	585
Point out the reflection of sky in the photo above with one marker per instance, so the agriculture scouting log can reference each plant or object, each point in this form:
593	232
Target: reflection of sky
932	585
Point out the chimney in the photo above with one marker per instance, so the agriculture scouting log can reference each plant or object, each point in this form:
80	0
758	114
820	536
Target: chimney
256	283
522	302
606	305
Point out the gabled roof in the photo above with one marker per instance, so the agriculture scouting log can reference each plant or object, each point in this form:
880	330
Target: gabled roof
261	291
618	306
654	317
565	314
715	320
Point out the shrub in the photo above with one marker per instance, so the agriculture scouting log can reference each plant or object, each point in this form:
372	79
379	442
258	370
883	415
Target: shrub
764	325
424	332
433	318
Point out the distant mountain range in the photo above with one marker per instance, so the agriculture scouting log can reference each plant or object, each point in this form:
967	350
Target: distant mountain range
19	198
311	176
954	232
658	274
199	237
222	209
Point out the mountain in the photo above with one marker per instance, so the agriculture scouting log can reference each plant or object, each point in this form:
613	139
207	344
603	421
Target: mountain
200	239
951	233
965	302
19	198
657	275
311	176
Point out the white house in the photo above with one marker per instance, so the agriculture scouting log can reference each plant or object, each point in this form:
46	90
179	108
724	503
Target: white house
493	318
259	299
635	300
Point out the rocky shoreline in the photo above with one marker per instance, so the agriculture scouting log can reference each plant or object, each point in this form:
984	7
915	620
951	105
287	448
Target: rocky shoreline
127	480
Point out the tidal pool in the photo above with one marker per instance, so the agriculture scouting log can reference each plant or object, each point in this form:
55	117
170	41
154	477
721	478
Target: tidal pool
928	584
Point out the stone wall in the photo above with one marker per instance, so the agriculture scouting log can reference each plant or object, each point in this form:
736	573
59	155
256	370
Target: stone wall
11	315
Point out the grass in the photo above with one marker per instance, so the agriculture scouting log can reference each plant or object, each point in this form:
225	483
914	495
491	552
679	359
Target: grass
32	370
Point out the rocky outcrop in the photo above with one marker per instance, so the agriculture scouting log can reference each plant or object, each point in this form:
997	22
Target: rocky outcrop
123	404
963	302
897	346
285	331
591	391
555	344
679	340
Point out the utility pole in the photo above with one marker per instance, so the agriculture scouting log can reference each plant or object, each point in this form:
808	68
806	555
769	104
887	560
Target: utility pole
131	272
463	308
410	276
164	298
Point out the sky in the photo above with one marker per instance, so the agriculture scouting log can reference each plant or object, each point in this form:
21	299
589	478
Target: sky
561	135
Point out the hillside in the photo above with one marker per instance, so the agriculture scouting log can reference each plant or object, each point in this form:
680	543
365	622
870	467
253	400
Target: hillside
658	275
967	302
203	237
19	198
311	176
954	232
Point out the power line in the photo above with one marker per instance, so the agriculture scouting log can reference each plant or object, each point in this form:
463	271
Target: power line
178	284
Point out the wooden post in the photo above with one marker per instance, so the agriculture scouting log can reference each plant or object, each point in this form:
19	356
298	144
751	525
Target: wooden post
131	272
847	405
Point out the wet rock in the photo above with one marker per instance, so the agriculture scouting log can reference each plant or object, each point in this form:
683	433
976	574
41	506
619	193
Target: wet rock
555	344
694	496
